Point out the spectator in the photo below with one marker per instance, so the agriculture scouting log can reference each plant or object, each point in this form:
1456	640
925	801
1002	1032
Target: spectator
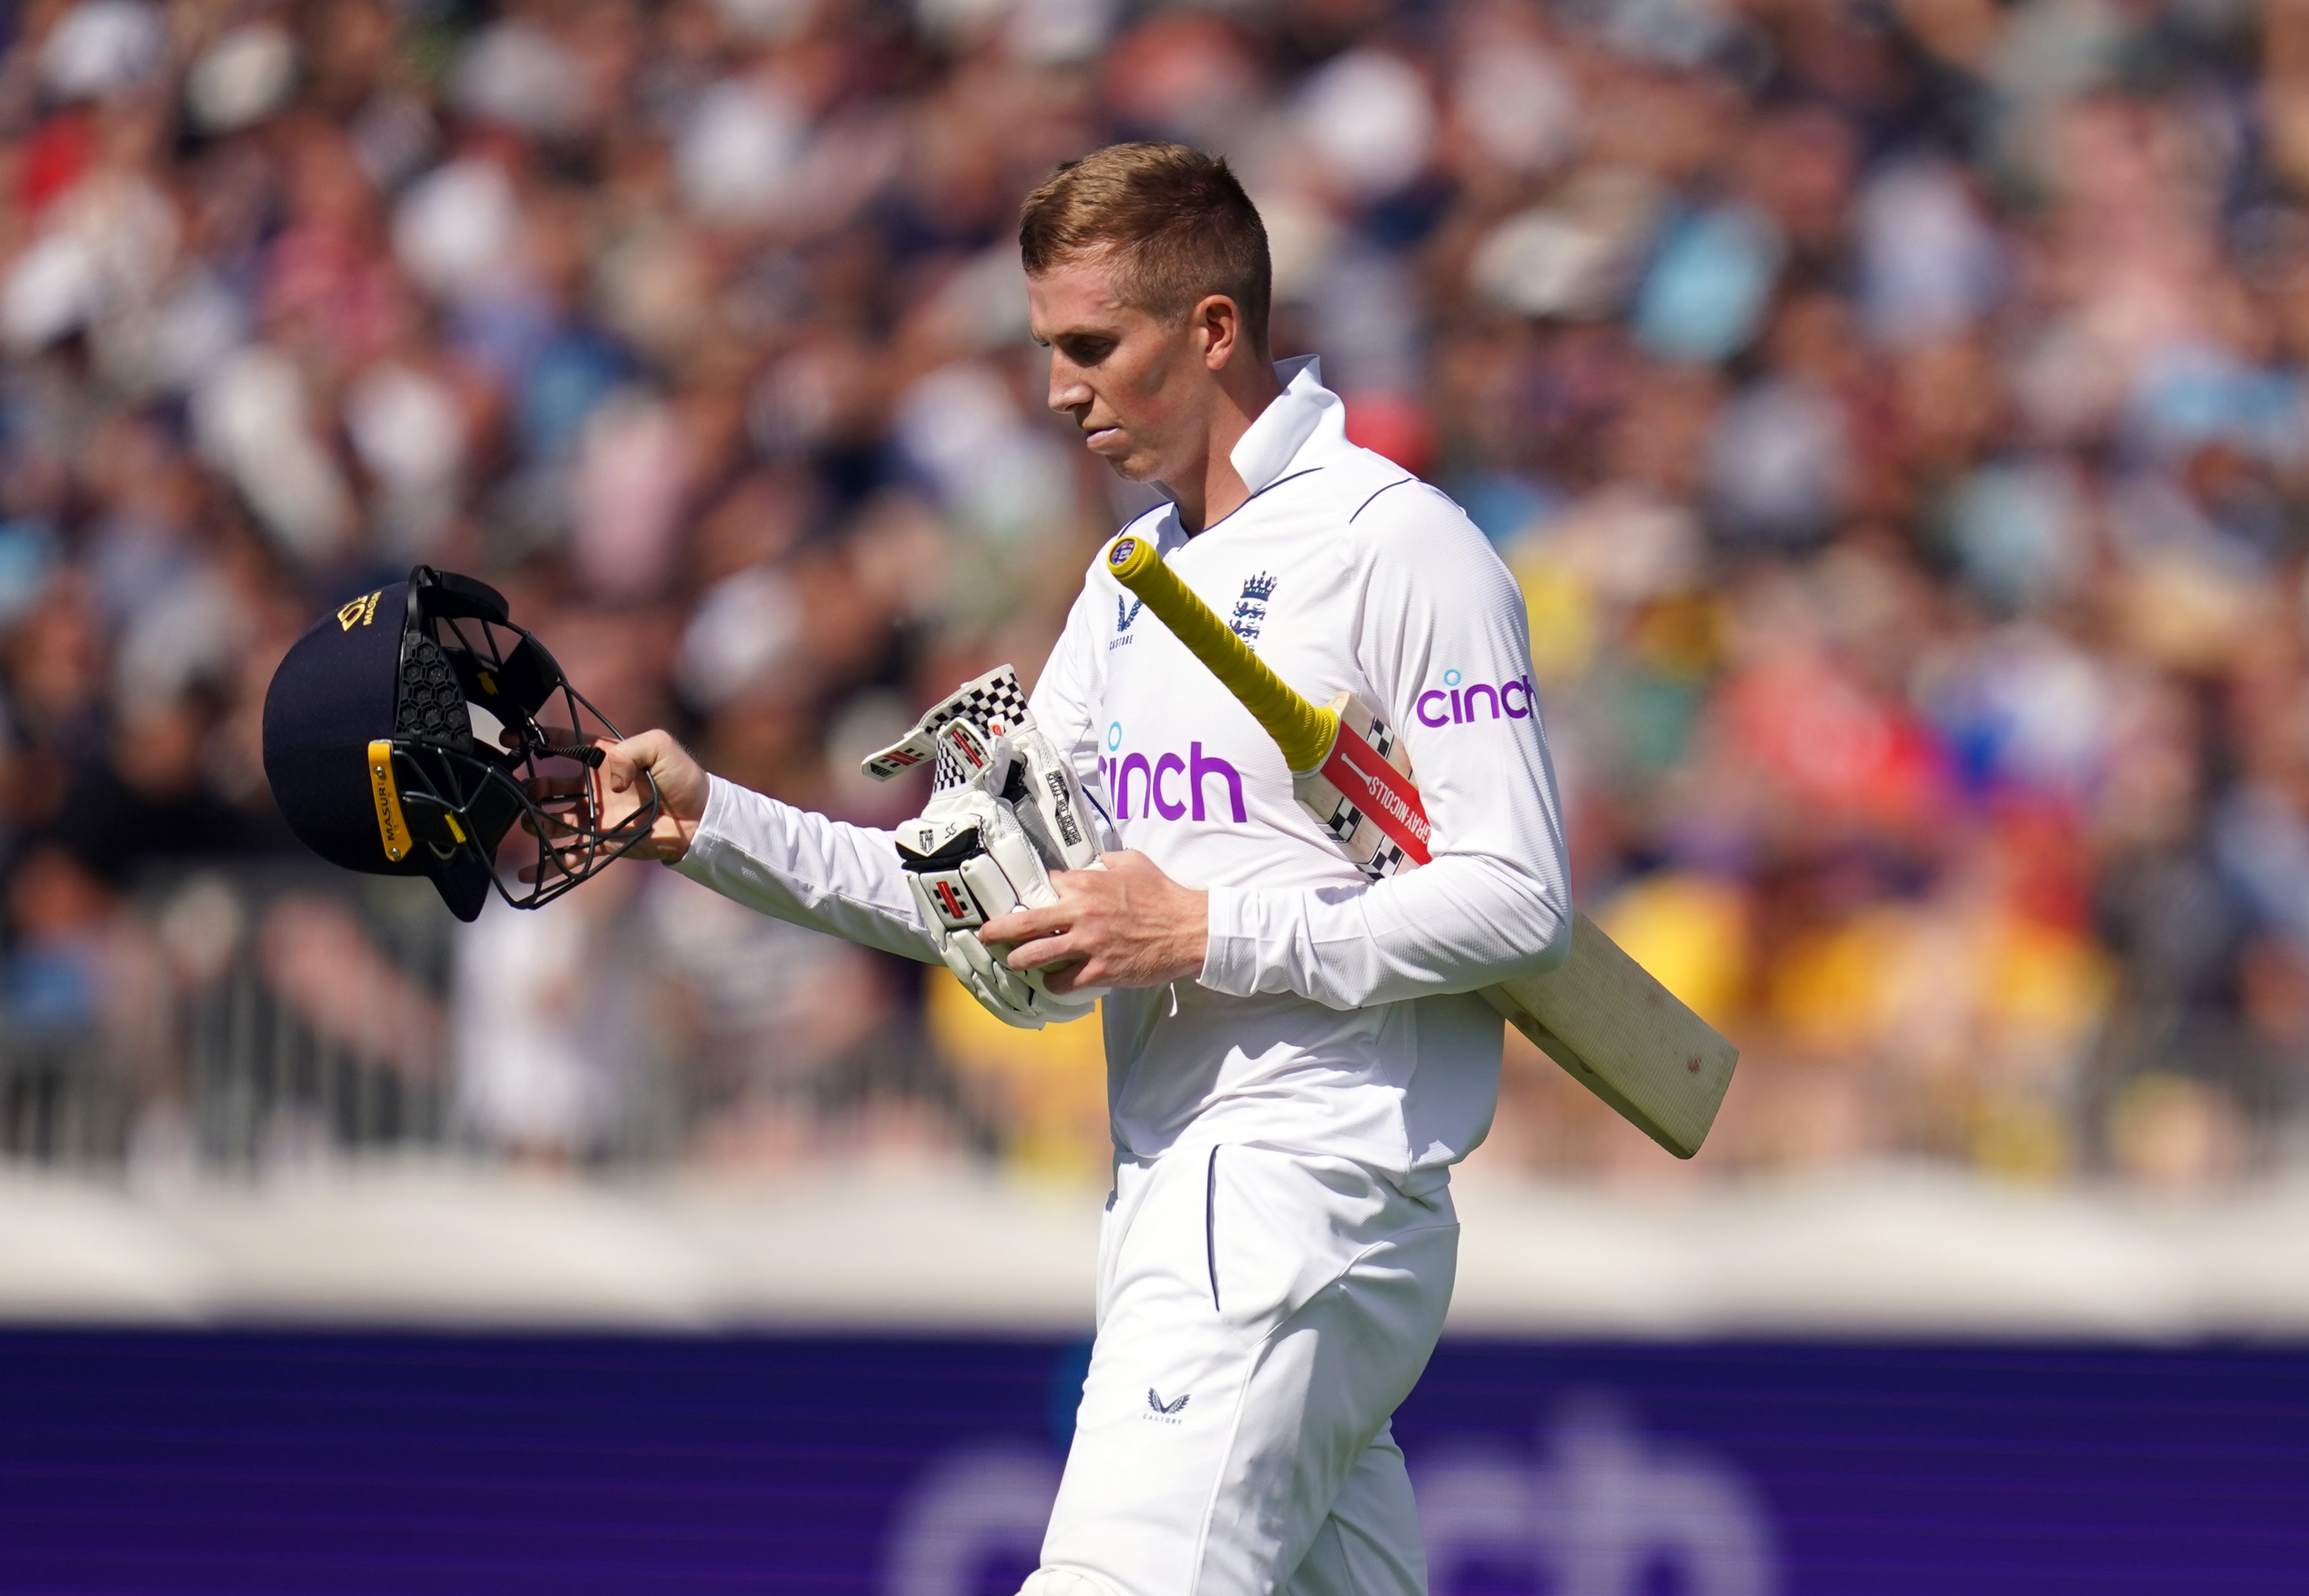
1898	419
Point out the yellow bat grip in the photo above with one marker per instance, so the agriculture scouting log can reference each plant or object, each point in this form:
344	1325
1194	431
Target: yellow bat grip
1303	732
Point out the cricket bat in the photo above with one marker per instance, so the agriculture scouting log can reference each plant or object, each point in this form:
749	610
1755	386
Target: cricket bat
1599	1013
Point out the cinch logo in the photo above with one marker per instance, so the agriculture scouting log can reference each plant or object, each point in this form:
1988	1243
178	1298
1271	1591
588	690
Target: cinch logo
1158	784
1452	704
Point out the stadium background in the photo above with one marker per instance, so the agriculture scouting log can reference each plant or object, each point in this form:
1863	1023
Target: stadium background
1894	414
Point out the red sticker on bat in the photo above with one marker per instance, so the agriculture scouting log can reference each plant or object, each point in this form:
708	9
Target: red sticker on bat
1381	792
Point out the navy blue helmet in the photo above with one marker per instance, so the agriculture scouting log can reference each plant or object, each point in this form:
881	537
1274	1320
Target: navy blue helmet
406	733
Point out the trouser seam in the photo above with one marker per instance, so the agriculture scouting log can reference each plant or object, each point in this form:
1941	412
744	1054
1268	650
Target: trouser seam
1218	1476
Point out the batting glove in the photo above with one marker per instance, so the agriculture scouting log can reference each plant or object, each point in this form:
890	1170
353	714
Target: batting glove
971	858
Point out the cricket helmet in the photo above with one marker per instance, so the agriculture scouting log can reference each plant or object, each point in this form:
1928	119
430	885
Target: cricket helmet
407	732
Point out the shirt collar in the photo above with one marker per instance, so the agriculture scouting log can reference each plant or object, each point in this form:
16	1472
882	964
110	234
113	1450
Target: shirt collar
1303	421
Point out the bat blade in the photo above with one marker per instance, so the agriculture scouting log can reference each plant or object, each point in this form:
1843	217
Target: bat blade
1624	1036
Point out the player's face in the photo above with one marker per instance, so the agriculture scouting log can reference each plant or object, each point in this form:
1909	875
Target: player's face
1138	386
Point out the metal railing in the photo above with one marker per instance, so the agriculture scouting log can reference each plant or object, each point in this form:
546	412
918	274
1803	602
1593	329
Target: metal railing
249	1015
241	1013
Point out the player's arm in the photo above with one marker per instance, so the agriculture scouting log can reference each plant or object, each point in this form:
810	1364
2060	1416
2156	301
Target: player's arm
1439	615
802	867
795	864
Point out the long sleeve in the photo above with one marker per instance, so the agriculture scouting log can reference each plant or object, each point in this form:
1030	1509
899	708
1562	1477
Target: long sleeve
825	874
844	880
1443	641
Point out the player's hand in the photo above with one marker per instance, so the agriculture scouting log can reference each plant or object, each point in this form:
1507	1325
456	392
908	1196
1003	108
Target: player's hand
620	789
1127	924
682	786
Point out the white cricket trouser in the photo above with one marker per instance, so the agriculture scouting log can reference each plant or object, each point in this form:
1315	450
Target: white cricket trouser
1260	1315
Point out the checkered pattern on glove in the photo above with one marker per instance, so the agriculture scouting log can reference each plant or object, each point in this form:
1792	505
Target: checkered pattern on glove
993	705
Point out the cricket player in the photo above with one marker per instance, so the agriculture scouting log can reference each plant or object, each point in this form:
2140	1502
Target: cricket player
1296	1055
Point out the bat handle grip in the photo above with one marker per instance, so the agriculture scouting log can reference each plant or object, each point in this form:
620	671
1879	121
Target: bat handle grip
1303	732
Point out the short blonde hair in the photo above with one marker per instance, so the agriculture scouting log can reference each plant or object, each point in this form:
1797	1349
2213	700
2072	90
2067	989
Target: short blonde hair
1175	217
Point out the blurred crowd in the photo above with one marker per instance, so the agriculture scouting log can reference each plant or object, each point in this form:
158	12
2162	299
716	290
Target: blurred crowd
1894	411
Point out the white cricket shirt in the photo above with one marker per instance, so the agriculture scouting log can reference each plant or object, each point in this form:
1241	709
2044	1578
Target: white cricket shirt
1333	1015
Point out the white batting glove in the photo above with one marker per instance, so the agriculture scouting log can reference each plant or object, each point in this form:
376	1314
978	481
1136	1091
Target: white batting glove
1047	797
971	858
